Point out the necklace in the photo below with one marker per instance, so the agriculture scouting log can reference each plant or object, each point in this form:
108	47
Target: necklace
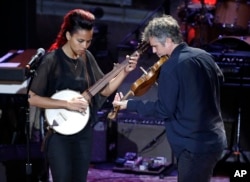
75	62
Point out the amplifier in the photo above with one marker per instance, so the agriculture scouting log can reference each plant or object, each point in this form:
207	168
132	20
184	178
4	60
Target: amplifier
233	58
99	144
144	136
235	66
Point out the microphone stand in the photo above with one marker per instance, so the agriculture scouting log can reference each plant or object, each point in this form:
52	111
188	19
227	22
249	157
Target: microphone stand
29	74
236	150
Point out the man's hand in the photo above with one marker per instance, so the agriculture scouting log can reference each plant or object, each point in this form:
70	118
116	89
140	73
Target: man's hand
118	102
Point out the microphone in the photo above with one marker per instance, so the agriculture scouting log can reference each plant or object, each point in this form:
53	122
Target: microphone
33	63
40	52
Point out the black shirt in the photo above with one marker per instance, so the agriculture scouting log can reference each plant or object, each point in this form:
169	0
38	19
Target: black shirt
59	72
189	101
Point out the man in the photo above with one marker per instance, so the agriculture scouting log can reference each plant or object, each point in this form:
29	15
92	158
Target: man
188	101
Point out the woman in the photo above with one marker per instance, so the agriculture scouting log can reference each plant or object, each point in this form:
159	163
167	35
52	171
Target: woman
69	65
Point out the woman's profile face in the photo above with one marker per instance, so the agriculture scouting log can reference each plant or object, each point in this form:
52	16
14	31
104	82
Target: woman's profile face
80	41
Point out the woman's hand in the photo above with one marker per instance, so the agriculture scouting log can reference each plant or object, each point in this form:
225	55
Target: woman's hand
78	104
132	62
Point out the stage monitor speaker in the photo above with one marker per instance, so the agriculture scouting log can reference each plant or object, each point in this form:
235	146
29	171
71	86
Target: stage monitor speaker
146	138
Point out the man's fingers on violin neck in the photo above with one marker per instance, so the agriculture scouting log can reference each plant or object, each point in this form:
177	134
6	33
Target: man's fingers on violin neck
120	95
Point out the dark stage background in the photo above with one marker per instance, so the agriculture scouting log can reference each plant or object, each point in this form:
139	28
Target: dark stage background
30	24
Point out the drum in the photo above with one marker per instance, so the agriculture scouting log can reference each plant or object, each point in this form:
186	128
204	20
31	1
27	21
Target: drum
233	15
196	4
236	43
245	39
192	11
198	35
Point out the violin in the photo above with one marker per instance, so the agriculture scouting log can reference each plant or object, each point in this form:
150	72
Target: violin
141	85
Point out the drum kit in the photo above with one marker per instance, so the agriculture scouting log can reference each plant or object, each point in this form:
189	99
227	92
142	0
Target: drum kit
203	21
223	29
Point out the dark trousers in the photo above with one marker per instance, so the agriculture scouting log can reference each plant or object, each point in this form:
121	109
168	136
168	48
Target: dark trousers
69	155
196	167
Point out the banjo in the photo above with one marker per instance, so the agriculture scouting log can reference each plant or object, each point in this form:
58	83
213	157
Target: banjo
68	122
